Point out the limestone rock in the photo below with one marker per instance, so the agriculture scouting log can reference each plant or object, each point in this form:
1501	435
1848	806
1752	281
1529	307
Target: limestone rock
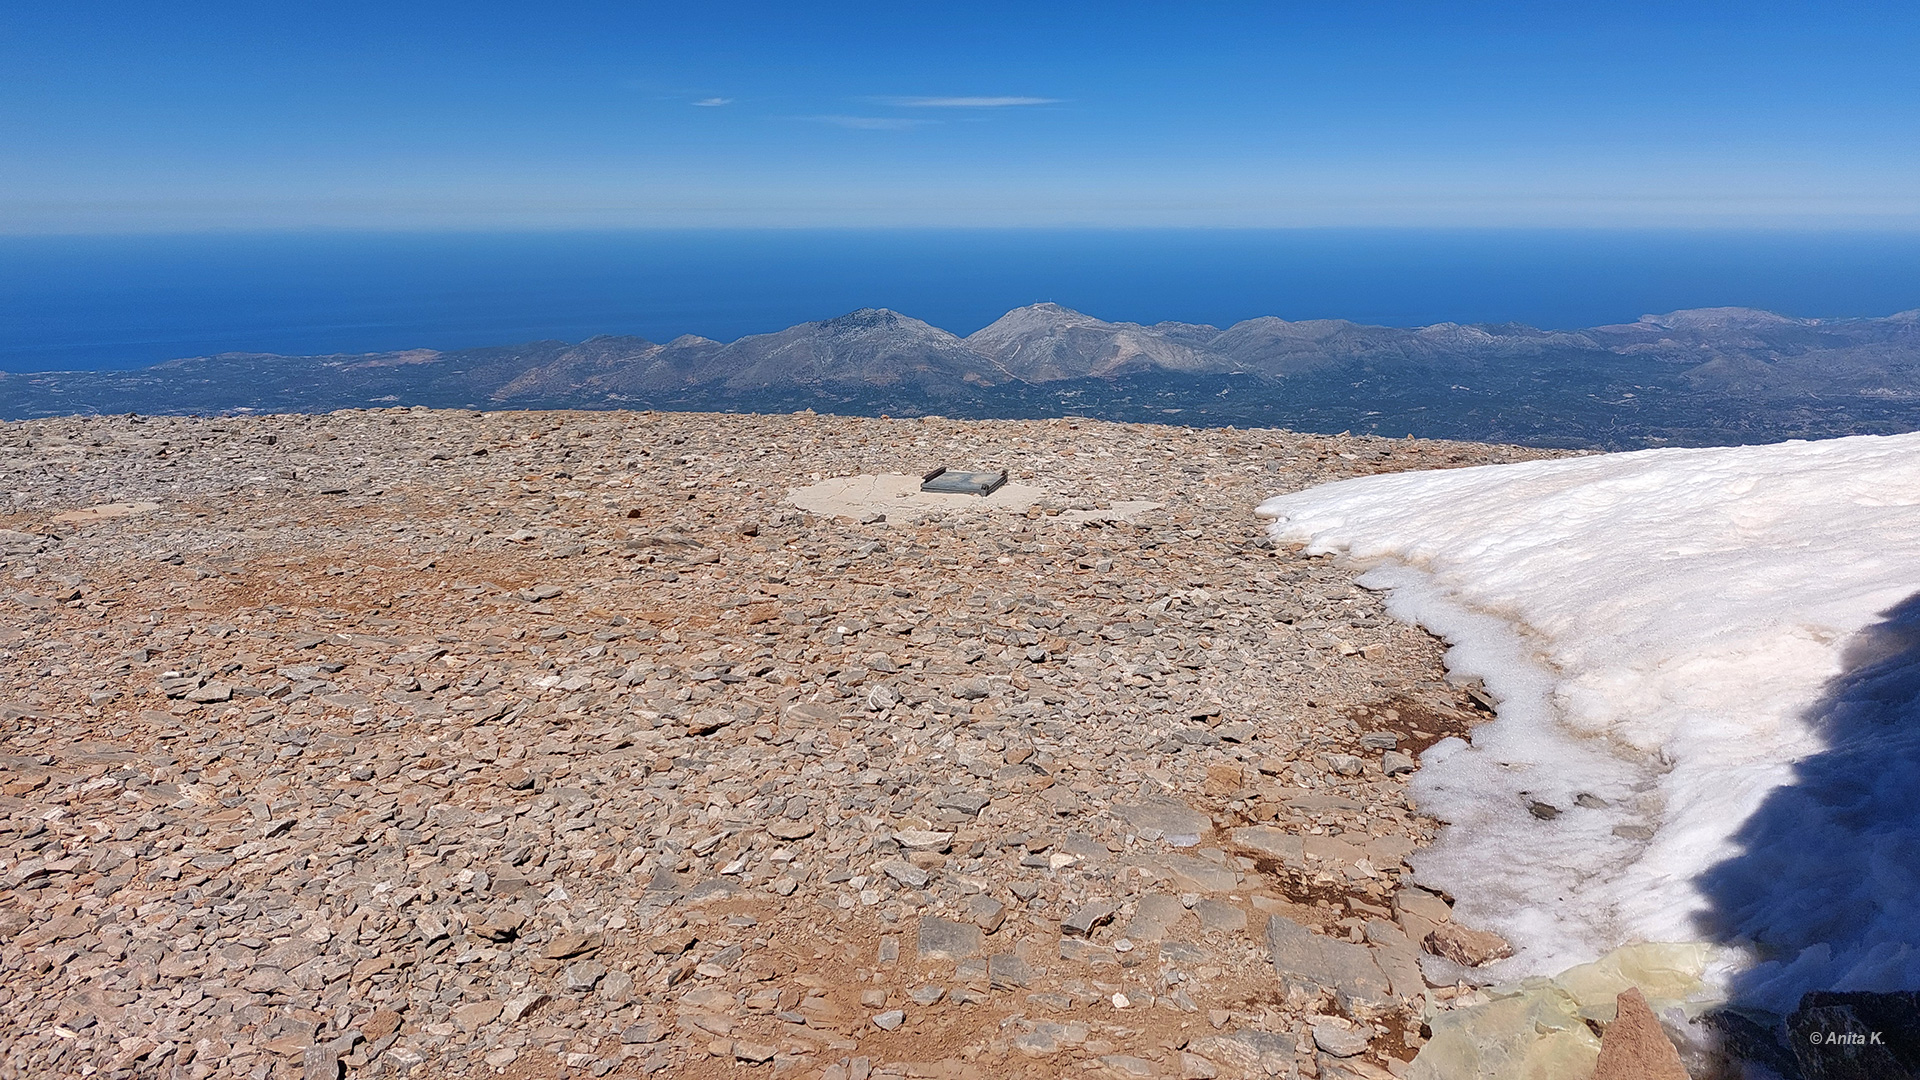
1535	1033
1195	1067
1249	1052
1465	946
986	912
1340	1038
1085	918
1303	957
1634	1047
944	939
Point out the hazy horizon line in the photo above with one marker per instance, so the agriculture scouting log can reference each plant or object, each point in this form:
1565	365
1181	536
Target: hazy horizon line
1907	229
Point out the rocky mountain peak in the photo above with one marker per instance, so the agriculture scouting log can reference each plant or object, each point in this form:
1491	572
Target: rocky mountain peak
1044	342
1723	318
870	319
1032	319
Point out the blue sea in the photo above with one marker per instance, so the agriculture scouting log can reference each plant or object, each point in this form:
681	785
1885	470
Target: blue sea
119	302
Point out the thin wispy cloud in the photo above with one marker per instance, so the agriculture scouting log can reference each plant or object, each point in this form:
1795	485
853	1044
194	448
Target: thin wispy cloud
871	123
969	102
713	102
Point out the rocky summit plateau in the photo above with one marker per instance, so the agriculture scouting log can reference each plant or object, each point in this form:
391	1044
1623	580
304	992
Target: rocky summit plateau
1698	377
402	742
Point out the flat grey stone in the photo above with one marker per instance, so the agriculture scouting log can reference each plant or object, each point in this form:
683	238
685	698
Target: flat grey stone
751	1052
1164	819
943	939
1398	956
1181	952
1007	971
712	889
1154	916
1190	873
1195	1067
924	840
1048	1037
1302	956
321	1062
986	912
522	1005
1273	843
1255	1053
1339	1039
1440	971
1088	916
966	802
1086	952
584	975
904	872
1218	916
1345	764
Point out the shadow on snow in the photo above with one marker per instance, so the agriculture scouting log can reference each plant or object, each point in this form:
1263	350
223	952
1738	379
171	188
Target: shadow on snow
1827	887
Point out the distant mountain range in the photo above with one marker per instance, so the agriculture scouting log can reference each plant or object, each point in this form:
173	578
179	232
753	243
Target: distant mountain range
1711	375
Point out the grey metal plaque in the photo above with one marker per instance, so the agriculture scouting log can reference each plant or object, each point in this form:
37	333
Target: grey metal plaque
950	481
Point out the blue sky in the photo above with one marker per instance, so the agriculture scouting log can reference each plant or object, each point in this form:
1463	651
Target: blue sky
473	115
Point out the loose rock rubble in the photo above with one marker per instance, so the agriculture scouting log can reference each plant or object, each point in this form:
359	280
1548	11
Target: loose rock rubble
400	742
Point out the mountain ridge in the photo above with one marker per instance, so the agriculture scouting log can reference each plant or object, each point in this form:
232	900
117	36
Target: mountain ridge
1687	376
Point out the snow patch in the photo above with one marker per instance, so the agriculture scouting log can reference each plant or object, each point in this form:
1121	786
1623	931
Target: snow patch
1681	723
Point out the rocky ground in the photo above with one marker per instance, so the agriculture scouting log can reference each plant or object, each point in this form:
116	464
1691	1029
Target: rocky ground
537	744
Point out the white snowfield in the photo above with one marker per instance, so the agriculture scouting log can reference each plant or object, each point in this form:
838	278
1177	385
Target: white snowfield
1707	664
